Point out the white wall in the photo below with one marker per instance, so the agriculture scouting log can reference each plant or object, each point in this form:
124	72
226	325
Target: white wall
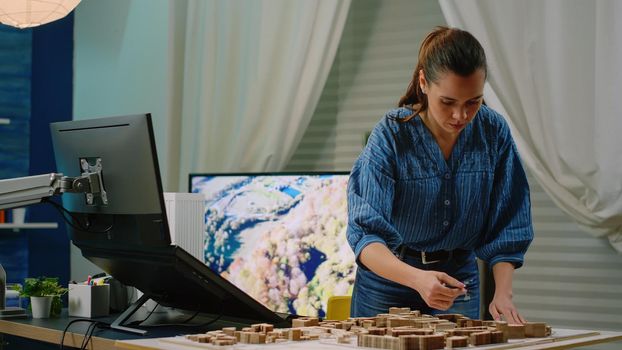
126	61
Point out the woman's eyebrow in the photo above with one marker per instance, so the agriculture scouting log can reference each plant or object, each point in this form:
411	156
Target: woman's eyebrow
453	99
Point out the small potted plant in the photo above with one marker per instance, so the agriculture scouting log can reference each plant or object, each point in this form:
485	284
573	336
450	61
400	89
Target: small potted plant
44	293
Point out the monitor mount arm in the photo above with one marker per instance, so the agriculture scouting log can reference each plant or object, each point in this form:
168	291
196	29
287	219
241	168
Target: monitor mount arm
23	191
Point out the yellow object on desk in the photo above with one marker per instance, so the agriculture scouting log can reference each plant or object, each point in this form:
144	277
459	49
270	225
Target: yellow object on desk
338	307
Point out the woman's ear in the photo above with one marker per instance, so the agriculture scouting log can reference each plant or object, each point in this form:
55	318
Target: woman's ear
422	82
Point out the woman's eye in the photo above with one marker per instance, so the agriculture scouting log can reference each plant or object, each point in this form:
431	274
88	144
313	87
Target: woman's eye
447	103
473	102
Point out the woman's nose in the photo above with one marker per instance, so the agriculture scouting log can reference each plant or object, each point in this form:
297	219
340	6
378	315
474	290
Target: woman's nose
460	113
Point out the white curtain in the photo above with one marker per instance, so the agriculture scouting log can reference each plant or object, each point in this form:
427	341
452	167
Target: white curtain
556	73
253	73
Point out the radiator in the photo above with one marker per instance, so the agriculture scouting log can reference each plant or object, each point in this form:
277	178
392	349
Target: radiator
185	213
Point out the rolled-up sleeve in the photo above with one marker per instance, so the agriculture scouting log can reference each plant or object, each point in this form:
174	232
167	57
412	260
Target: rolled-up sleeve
370	201
509	231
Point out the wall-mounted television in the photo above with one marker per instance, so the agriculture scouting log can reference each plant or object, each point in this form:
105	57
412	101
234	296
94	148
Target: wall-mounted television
279	237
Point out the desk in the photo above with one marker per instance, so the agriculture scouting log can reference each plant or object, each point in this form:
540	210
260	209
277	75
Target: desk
50	331
575	338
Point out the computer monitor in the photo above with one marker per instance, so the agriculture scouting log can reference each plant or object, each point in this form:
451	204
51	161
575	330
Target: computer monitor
280	237
126	232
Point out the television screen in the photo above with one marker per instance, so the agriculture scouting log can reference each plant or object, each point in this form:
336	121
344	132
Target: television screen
279	237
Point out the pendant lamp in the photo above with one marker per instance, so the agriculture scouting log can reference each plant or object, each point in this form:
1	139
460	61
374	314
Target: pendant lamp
32	13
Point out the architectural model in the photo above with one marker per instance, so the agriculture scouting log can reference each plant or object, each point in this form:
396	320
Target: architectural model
400	329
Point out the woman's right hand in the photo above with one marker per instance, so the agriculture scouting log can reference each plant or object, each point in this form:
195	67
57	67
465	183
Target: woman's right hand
438	289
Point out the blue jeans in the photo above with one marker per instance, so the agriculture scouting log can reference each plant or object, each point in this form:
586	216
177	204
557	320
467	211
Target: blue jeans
374	295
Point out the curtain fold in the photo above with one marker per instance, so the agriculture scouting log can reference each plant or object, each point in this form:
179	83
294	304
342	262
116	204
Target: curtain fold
554	73
252	75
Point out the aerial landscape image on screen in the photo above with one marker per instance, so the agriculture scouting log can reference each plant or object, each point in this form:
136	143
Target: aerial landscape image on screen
279	238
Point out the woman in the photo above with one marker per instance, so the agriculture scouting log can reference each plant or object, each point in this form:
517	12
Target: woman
439	183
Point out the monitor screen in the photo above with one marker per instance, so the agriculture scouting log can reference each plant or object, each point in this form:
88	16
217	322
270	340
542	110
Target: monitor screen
126	233
279	237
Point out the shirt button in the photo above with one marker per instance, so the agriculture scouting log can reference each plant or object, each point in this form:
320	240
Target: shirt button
447	176
447	202
445	223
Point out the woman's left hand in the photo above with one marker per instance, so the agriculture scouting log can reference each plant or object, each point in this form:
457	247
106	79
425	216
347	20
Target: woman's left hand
502	305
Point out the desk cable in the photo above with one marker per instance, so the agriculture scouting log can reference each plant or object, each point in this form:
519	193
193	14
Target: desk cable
80	227
182	323
87	335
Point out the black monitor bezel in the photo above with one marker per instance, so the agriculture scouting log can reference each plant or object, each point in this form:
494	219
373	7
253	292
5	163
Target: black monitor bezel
275	173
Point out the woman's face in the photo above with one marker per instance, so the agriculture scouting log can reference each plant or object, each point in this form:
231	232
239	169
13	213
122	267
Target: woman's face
453	100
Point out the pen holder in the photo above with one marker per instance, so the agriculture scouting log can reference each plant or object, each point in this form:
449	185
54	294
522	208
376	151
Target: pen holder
89	300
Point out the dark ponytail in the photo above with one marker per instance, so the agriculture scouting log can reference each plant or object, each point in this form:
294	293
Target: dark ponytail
443	50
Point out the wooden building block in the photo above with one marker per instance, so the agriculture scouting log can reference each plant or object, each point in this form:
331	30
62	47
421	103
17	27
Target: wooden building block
414	313
369	323
535	329
409	342
497	337
501	326
192	337
474	323
462	322
381	321
516	331
457	342
400	322
305	322
399	310
245	337
480	338
390	343
237	335
257	338
443	326
204	338
229	330
295	334
431	342
398	332
549	330
372	341
223	342
450	317
463	332
377	331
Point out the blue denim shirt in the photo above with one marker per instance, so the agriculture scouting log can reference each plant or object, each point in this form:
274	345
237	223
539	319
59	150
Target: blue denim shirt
403	191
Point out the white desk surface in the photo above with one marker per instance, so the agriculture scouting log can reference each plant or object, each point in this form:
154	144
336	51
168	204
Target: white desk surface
560	339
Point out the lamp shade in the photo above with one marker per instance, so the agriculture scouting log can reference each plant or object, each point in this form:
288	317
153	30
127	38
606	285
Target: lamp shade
32	13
